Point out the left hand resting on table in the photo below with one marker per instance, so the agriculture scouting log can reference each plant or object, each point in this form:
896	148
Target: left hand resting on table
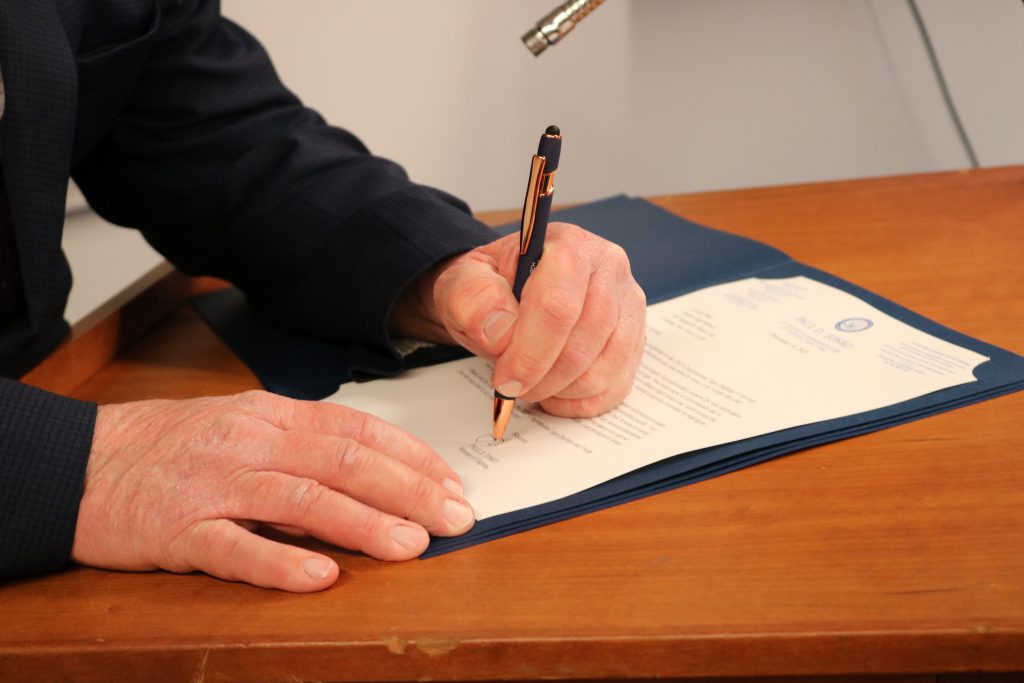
573	343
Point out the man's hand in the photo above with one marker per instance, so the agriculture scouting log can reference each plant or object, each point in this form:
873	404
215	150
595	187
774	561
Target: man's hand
178	485
573	343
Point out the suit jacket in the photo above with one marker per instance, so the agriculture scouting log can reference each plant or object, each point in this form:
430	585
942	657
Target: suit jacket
172	120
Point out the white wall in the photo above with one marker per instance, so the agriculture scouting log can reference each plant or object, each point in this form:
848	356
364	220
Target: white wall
743	93
980	45
653	96
107	264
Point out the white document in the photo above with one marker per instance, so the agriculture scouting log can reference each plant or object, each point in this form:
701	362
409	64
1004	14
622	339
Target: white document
724	363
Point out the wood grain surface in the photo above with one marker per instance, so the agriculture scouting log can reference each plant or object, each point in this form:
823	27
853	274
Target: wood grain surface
899	554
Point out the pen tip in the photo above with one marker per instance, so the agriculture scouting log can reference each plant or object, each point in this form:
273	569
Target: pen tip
502	414
552	130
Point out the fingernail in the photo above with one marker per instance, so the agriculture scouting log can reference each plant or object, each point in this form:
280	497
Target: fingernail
511	389
497	325
459	515
453	486
408	536
317	567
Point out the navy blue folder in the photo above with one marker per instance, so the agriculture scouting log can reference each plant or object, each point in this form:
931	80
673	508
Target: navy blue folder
670	256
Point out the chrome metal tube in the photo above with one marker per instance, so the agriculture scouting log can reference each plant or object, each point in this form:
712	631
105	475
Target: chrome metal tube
556	24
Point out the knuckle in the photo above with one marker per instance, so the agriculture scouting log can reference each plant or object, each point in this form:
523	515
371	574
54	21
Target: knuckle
256	398
420	497
362	427
592	406
587	384
197	544
230	545
365	528
351	459
589	406
469	302
225	430
639	297
569	232
528	366
616	260
560	308
305	496
574	361
458	312
266	403
586	408
615	255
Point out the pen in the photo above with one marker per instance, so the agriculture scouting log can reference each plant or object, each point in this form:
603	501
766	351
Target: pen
534	225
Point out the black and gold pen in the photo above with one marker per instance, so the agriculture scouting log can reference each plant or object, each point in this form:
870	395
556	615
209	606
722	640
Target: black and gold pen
532	229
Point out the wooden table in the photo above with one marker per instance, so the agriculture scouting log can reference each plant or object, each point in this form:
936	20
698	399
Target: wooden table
897	555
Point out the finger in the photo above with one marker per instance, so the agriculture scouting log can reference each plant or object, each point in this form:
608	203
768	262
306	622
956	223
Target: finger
224	549
551	304
591	394
333	419
476	305
375	479
619	358
278	498
587	341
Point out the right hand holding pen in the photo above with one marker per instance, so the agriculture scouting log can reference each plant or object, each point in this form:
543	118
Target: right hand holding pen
177	485
574	343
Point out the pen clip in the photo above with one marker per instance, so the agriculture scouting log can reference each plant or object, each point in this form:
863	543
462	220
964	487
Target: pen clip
533	192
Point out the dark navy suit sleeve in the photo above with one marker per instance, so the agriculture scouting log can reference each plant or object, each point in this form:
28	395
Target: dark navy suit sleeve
186	133
226	173
45	440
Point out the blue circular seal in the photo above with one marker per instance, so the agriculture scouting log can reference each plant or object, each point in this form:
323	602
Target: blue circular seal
854	325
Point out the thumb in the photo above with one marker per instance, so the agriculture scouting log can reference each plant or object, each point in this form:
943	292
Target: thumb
476	305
